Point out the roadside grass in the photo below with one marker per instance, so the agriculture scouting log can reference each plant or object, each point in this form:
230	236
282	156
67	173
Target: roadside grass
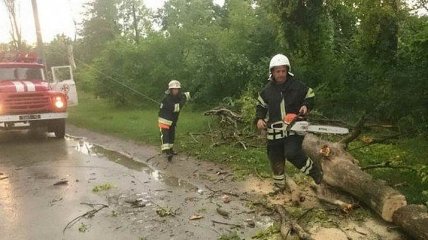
193	138
411	153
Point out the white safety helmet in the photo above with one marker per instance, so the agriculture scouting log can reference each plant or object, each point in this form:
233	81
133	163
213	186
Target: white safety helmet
174	84
279	60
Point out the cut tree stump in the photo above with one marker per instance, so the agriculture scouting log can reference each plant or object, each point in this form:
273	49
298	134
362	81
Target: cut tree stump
414	220
341	171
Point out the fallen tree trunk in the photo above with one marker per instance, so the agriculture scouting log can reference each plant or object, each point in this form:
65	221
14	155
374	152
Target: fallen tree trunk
341	171
414	220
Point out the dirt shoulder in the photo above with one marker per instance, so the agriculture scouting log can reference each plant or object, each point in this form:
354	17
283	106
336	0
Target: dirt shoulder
219	182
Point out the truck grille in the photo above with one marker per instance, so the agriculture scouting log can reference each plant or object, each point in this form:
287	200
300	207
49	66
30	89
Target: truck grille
27	103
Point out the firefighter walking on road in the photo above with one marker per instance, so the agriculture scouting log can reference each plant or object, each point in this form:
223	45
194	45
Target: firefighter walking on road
169	111
280	101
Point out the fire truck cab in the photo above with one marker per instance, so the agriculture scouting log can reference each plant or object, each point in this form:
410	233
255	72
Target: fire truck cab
28	100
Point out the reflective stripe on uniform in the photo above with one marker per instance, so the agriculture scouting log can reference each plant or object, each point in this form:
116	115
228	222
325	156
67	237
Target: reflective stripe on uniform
165	121
307	168
262	102
177	107
310	93
166	146
279	179
187	94
282	106
274	137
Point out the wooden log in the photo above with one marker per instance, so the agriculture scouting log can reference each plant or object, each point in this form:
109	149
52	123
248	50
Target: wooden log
341	171
413	219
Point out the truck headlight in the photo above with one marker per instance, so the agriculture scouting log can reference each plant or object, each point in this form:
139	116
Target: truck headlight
59	102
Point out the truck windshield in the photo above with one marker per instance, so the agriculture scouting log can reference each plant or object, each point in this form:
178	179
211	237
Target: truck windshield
21	74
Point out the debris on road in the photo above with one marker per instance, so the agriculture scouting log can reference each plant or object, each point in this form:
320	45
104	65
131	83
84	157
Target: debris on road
55	200
2	178
164	212
88	214
250	223
83	227
137	203
196	217
225	198
223	212
225	223
62	182
103	187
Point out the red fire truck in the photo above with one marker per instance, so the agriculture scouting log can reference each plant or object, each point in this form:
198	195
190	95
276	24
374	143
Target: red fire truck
28	100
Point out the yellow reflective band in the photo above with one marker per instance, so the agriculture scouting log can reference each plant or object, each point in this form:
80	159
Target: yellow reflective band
165	121
187	94
177	107
310	93
262	102
166	146
283	113
274	137
307	167
279	177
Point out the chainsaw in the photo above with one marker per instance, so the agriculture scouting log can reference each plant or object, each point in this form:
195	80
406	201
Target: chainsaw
296	123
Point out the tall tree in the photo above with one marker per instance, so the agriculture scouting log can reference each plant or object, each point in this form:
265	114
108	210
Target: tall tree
379	29
15	31
100	25
135	19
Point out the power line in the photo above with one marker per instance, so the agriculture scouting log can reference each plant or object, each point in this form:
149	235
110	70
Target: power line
115	80
118	82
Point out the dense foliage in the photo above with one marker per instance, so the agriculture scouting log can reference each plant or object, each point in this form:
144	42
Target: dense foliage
361	56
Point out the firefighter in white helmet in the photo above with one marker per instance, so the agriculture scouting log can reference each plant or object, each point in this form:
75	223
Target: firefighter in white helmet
281	100
170	108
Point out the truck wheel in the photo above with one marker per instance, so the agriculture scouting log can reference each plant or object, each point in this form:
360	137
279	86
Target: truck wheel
59	128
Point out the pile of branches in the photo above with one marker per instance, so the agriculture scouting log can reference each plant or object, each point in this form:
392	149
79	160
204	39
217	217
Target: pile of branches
231	129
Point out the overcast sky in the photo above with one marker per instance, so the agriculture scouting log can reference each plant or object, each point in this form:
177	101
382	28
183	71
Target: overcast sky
56	17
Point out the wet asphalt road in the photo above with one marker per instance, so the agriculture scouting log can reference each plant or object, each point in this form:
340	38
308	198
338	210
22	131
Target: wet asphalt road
33	207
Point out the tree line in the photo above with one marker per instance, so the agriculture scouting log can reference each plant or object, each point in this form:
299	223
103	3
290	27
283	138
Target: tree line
360	56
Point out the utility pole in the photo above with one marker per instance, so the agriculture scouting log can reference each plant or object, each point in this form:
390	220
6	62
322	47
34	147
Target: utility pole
40	51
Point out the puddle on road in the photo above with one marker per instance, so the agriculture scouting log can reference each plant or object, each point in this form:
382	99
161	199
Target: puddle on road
94	150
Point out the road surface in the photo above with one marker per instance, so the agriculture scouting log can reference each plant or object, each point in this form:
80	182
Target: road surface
47	183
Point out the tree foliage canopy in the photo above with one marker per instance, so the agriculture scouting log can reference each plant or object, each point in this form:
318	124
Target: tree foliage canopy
360	55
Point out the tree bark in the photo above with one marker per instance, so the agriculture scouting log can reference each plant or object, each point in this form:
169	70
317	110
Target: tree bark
341	171
414	220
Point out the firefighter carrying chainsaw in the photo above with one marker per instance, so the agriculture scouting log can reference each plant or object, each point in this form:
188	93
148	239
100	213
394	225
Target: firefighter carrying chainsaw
280	101
170	108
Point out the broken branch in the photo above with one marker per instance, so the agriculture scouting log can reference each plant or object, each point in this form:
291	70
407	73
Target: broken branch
88	214
386	165
288	225
225	223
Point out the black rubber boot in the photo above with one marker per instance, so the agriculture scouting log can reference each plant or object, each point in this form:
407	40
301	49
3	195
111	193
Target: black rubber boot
316	173
277	189
169	155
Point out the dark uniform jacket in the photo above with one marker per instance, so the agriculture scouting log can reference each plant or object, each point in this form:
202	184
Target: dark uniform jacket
277	100
170	109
